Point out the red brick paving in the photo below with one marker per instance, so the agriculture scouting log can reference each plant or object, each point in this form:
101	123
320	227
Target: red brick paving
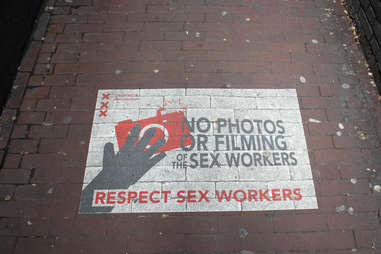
258	44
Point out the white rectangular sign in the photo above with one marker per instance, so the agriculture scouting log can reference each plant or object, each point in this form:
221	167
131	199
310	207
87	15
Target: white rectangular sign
195	150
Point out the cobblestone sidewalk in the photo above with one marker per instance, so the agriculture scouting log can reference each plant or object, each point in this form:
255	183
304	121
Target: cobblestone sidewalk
89	45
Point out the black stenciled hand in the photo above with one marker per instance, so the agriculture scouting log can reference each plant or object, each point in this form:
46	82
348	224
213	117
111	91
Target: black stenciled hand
123	169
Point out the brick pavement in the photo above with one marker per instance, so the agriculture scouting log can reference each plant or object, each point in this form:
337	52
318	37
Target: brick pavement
109	44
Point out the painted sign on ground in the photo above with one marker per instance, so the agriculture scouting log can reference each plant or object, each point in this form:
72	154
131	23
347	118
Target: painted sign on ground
194	150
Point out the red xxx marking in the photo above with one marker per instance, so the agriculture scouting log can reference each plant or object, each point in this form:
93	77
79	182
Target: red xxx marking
105	96
104	104
102	113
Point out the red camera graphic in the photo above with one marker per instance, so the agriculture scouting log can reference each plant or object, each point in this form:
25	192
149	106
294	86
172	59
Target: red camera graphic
168	126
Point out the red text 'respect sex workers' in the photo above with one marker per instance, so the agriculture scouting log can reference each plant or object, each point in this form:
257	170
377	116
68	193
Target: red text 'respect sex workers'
192	196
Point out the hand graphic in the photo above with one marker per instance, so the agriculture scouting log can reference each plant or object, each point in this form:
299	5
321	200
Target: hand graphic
123	169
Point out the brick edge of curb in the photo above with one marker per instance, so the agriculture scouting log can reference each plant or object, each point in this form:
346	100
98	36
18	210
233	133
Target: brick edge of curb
19	85
366	17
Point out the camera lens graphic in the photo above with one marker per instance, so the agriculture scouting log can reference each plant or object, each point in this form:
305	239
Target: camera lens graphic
154	125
